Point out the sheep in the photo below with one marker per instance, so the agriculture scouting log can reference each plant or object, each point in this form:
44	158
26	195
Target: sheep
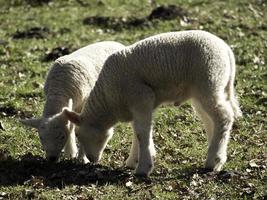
166	68
69	83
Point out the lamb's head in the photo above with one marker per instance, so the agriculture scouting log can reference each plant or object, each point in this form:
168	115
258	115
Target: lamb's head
53	133
94	141
92	138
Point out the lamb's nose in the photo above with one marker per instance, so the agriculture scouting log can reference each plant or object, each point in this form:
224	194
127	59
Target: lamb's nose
52	158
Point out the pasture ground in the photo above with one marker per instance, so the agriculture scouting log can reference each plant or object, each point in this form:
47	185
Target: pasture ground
35	32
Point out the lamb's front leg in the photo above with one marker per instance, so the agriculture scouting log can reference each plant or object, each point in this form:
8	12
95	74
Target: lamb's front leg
132	160
142	130
81	155
70	148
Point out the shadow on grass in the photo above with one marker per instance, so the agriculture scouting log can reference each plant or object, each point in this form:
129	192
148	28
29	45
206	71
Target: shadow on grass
37	172
192	173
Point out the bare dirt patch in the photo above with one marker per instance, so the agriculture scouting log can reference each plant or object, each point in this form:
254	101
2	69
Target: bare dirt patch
34	32
165	12
56	53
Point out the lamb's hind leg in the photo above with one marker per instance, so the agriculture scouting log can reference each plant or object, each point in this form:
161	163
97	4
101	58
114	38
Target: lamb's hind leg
206	120
132	160
221	113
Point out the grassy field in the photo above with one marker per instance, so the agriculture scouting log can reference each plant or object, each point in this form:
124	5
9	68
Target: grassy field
34	32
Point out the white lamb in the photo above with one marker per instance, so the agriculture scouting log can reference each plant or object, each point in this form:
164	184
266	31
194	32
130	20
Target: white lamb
69	82
169	67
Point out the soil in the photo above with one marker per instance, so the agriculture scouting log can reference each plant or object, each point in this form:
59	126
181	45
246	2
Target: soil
11	111
57	52
34	32
166	12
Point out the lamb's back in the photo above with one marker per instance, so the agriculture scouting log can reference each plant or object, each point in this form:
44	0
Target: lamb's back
74	75
170	57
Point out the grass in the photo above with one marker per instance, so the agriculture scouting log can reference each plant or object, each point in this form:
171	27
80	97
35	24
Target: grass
179	137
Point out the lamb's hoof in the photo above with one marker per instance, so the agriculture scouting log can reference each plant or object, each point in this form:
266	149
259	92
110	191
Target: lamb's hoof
131	163
73	156
141	175
84	160
216	164
143	172
70	155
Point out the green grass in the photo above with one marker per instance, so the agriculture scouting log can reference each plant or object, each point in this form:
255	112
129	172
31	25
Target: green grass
179	137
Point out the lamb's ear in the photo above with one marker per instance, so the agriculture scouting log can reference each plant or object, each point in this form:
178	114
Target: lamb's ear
31	122
72	116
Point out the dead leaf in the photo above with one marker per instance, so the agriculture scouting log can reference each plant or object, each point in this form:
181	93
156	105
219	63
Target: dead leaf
37	84
2	126
129	184
21	75
36	182
29	194
3	195
253	164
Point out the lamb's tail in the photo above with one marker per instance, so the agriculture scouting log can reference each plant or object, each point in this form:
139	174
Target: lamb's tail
229	90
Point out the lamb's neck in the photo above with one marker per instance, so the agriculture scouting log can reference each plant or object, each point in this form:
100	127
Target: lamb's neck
54	104
97	111
103	121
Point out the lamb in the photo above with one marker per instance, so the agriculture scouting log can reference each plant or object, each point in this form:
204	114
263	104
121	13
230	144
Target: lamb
68	83
169	67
